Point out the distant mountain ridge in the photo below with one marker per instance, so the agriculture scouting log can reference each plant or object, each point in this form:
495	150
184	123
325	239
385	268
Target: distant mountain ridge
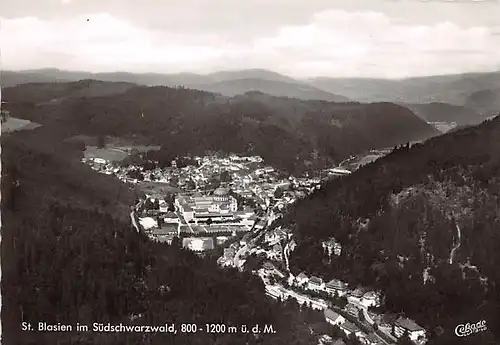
228	83
451	89
479	92
272	87
462	99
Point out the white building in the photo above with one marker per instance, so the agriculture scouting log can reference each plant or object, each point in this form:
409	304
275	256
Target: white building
336	286
163	206
403	325
198	207
349	328
332	247
302	279
148	223
356	296
198	244
333	318
370	299
316	284
171	218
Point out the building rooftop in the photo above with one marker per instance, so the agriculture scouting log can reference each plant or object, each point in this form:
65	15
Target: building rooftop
331	315
198	243
221	191
336	284
358	292
408	324
351	308
302	276
370	295
164	230
349	326
316	280
372	338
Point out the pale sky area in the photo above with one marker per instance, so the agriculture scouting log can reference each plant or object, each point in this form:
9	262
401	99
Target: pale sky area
300	38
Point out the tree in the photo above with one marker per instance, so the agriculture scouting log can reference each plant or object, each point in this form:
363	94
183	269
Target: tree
176	242
278	193
361	315
174	181
352	340
405	339
4	115
209	221
340	302
136	174
225	176
101	142
156	204
149	205
190	184
159	221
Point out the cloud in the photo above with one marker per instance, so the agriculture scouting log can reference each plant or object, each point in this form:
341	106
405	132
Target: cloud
332	42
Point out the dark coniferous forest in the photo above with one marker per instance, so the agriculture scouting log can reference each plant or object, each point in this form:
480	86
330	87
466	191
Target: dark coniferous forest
398	218
69	254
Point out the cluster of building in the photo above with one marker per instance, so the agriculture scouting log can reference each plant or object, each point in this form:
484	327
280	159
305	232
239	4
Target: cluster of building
398	324
361	297
279	292
358	302
249	181
200	208
444	126
332	247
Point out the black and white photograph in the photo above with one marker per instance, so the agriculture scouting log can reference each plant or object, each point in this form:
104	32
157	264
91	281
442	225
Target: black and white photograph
250	172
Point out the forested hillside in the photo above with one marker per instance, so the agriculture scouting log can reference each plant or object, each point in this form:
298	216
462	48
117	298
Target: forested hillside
398	219
289	133
70	255
452	89
292	89
442	112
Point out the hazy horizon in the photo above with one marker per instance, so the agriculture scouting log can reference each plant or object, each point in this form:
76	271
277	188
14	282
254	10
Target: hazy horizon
241	70
388	39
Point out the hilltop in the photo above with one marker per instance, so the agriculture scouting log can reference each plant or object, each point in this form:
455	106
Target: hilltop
398	219
291	134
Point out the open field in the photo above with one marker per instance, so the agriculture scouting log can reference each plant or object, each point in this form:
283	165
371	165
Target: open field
157	188
116	149
14	124
368	159
138	148
107	153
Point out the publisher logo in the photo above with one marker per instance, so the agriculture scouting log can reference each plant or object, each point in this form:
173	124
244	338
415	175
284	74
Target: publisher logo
464	330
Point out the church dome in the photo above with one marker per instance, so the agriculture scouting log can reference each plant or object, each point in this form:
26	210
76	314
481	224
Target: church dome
220	191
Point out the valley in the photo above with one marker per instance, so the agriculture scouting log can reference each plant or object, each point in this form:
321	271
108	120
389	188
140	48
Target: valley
317	217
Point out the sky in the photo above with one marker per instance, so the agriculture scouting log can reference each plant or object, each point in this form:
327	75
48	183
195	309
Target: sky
300	38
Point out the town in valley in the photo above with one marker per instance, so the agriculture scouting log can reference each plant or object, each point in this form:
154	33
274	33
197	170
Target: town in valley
231	204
